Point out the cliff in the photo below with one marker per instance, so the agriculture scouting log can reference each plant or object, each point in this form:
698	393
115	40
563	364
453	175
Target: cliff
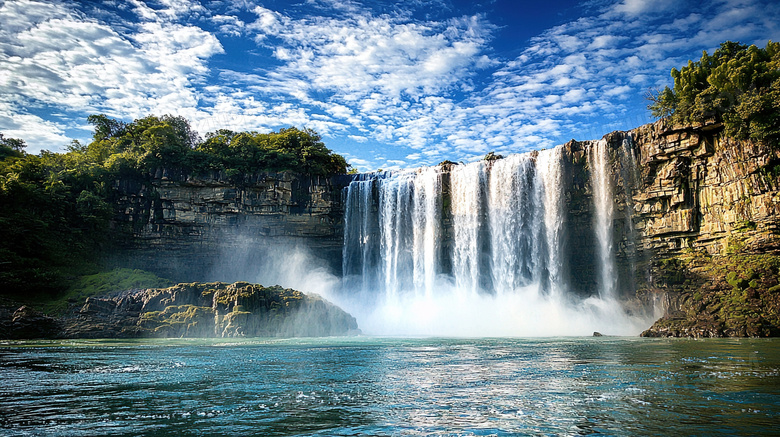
182	224
706	215
695	224
700	189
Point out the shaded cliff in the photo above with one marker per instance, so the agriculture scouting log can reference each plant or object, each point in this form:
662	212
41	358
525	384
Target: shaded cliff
183	226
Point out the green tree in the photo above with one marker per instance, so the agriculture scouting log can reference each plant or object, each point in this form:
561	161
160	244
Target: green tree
14	144
738	85
105	127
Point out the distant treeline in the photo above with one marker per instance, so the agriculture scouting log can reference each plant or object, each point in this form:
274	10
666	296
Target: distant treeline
737	84
56	208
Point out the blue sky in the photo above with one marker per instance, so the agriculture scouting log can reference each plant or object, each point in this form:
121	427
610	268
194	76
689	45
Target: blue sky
387	84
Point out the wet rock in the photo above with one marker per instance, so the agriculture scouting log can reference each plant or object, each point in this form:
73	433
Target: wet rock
211	310
27	323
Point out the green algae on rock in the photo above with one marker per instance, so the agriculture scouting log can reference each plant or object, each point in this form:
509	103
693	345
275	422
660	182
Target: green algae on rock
210	310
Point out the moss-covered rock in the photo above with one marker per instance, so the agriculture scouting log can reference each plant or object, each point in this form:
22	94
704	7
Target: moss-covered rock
734	295
211	310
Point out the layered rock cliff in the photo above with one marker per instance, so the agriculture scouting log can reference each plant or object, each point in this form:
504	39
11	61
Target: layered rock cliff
183	225
706	214
696	227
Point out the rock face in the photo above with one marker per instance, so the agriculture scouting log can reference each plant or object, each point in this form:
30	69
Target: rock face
181	224
699	189
209	310
695	227
705	212
27	323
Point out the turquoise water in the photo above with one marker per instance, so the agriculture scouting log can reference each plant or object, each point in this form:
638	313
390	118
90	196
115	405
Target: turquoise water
389	386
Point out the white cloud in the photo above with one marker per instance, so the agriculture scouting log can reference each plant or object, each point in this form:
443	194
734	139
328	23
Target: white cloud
55	57
634	8
617	91
171	10
229	24
429	89
34	130
358	55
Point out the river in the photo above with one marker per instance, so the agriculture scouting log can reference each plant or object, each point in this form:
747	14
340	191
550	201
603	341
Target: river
391	386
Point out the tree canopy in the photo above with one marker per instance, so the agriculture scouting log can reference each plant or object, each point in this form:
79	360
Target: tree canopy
738	85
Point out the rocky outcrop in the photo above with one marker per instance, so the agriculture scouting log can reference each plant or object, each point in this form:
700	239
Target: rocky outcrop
699	189
27	323
209	310
705	211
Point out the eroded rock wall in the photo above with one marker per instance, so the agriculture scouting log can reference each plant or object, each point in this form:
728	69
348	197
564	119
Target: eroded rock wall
699	189
706	220
186	227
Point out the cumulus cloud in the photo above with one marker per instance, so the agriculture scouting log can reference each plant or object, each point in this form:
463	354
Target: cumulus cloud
356	55
55	57
391	86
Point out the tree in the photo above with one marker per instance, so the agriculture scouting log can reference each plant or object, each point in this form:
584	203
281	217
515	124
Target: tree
664	102
738	85
106	127
11	147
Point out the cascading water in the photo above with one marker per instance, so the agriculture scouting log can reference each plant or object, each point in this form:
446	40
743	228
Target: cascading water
480	249
548	165
598	158
467	185
515	214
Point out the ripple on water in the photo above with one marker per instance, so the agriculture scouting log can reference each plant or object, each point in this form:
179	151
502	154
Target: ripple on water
391	387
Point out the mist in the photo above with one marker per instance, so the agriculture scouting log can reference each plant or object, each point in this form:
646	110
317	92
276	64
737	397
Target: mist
449	311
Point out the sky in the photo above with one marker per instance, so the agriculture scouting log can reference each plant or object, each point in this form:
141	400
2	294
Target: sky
386	84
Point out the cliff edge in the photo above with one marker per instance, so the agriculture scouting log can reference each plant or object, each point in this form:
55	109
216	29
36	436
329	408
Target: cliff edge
705	212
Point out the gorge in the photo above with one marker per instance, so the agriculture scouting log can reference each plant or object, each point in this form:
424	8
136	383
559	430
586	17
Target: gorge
604	235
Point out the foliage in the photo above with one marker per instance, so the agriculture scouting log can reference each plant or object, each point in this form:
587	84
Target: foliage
97	284
301	151
738	84
147	144
491	156
56	208
11	147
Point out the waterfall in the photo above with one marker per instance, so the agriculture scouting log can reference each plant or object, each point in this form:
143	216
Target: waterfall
516	223
598	159
549	167
427	215
481	249
467	184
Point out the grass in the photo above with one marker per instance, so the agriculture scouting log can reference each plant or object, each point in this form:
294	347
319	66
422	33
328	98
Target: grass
97	284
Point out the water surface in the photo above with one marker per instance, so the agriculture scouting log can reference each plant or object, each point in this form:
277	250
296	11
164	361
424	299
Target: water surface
390	386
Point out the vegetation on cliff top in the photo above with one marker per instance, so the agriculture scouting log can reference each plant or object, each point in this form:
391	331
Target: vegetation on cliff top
737	84
56	208
154	142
